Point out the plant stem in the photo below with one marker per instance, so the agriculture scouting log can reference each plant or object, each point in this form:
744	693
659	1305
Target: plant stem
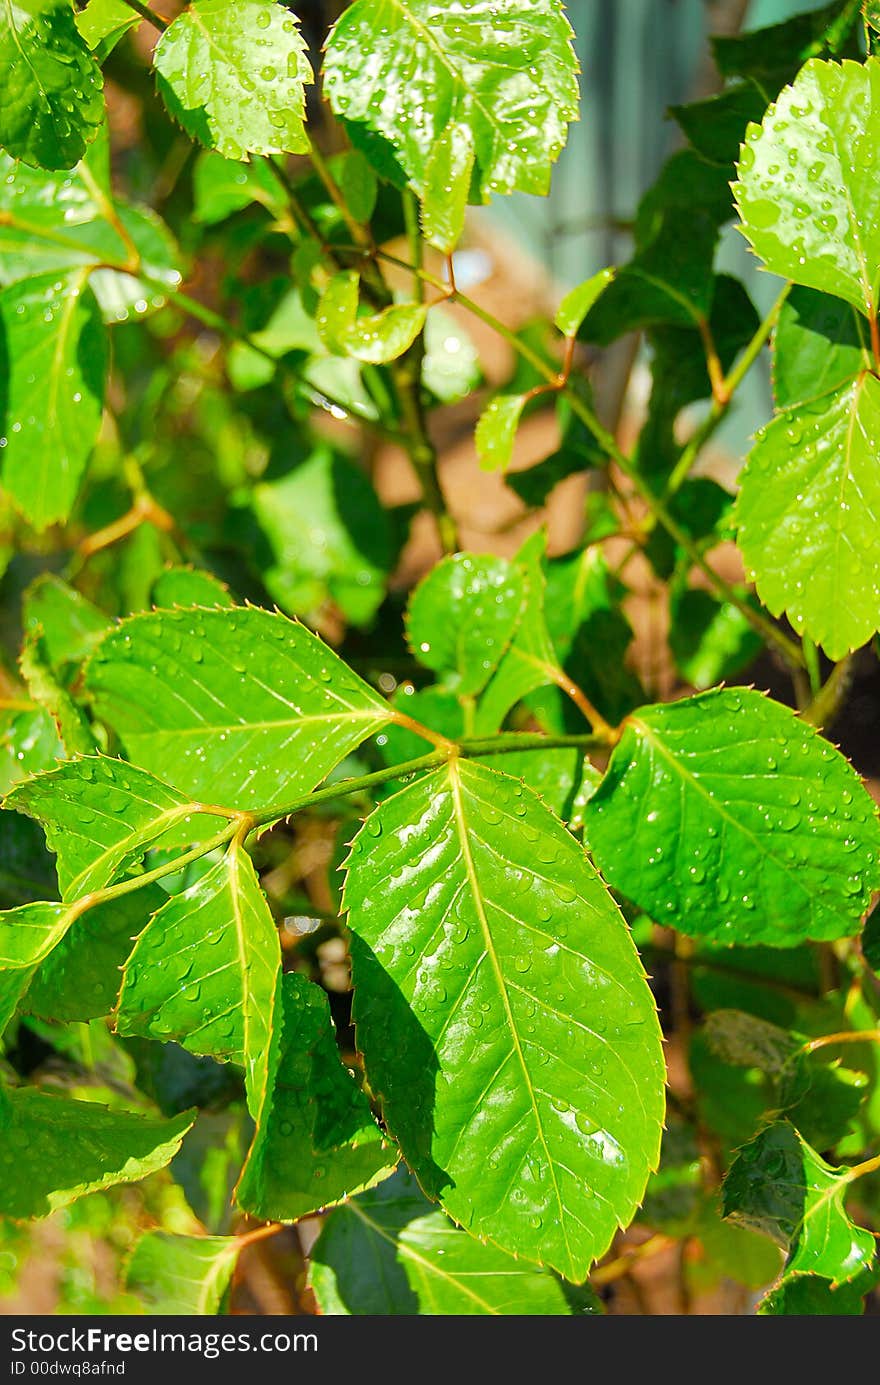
860	1170
349	786
136	882
616	1269
359	233
846	1036
507	742
149	15
824	707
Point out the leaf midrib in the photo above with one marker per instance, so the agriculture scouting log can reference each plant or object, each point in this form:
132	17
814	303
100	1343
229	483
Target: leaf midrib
408	1252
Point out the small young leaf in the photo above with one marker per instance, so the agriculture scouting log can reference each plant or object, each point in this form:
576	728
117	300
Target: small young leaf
182	1276
820	344
104	22
52	99
576	304
376	338
390	1252
807	516
222	187
808	1295
753	835
316	1139
467	994
54	351
496	431
100	815
447	184
238	706
779	1185
76	1147
234	76
462	617
823	128
505	71
205	970
70	625
337	310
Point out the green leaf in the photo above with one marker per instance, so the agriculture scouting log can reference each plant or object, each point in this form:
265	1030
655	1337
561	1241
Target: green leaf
52	223
208	1165
56	1150
506	71
53	347
182	1276
53	104
807	514
329	538
462	617
29	933
780	1186
187	586
820	344
485	947
730	1252
234	76
13	987
823	129
374	338
358	184
496	431
316	1140
205	970
100	815
726	816
750	1042
531	661
241	706
80	979
576	304
807	1295
222	187
389	1252
103	23
710	640
69	624
27	873
771	56
716	126
29	743
47	692
447	184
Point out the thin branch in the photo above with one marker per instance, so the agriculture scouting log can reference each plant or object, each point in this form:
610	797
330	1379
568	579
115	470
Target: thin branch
149	15
846	1036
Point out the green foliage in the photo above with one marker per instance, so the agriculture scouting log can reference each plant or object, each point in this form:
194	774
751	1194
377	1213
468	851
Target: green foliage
522	759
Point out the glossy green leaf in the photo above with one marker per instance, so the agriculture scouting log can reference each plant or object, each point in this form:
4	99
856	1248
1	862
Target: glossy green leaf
53	347
807	514
69	624
506	70
462	617
329	538
446	186
56	1150
222	187
808	1295
205	970
820	344
104	22
779	1185
29	933
772	55
496	431
47	691
100	815
475	969
726	816
182	1276
241	706
824	130
53	223
576	304
235	77
187	586
53	104
29	743
389	1252
316	1140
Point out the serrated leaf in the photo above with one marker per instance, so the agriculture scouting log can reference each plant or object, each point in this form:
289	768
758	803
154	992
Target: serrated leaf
807	516
506	71
390	1252
531	661
483	947
48	693
329	538
772	55
576	304
53	223
462	616
824	130
821	1099
100	815
240	706
209	1163
447	183
104	22
204	972
316	1139
29	933
54	351
53	103
182	1276
496	431
808	1295
187	586
779	1185
726	816
56	1150
234	76
820	344
69	624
